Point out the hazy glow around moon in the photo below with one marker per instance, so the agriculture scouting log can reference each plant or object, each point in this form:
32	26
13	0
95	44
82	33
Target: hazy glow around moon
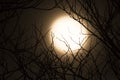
68	34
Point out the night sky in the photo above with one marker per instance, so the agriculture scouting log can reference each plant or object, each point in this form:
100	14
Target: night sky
27	53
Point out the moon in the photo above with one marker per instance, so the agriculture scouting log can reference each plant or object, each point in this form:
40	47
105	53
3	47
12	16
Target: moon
67	34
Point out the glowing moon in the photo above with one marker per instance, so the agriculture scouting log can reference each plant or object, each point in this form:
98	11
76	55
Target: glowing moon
67	34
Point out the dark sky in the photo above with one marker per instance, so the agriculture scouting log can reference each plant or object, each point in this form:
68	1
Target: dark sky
43	19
